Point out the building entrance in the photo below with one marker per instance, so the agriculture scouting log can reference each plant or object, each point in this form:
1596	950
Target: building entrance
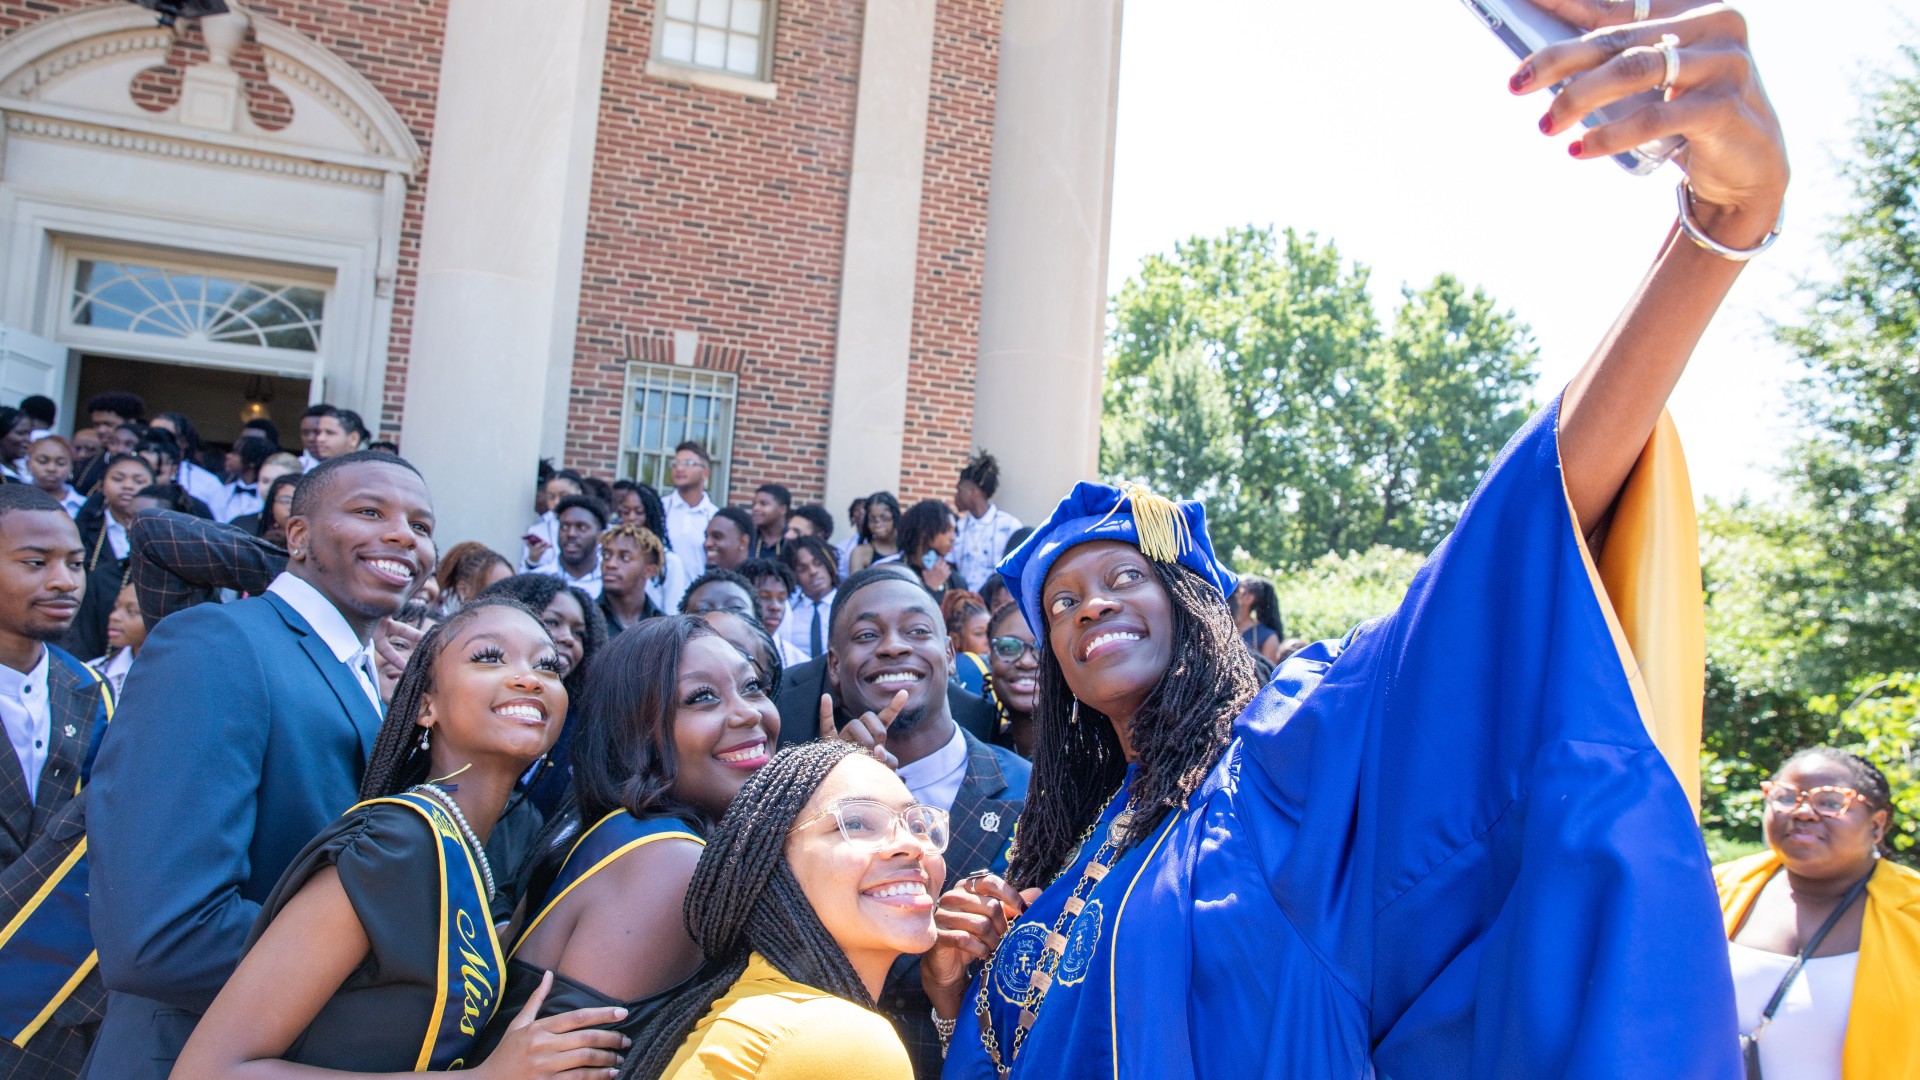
218	401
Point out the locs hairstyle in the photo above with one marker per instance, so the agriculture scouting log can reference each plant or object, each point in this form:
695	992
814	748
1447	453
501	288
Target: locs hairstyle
915	530
397	762
744	899
983	471
1177	735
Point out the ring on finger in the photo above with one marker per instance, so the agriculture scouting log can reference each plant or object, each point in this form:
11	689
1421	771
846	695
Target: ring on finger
1669	49
1641	9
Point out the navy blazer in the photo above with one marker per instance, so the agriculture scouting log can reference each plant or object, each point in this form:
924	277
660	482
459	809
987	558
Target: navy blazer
238	738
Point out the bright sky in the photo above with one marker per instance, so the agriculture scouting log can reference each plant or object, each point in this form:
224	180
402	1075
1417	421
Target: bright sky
1387	128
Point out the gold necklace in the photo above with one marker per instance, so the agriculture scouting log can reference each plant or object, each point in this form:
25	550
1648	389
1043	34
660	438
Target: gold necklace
1040	979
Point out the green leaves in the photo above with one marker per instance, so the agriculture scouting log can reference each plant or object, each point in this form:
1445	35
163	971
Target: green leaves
1251	370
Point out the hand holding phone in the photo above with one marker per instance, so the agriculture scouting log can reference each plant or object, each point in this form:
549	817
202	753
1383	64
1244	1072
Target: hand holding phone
1525	28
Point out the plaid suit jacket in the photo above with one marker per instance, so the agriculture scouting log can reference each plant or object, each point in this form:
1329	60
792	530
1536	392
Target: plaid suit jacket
180	560
35	838
980	827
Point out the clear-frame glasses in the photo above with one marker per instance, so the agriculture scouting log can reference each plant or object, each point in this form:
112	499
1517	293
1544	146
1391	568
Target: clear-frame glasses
1829	801
868	825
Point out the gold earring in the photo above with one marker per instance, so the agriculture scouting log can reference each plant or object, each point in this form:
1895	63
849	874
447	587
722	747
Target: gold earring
1074	716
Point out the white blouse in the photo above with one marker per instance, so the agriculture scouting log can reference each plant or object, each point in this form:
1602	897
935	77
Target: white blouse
1809	1031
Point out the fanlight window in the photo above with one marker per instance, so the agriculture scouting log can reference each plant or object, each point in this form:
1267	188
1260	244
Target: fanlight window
197	307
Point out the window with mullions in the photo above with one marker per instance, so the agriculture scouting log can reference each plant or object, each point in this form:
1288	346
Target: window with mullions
194	306
724	35
669	406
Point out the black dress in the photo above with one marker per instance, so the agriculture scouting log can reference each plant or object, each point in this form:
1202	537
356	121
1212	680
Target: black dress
405	1008
610	838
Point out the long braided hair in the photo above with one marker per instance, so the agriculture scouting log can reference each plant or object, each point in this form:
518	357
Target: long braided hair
744	899
1177	735
397	762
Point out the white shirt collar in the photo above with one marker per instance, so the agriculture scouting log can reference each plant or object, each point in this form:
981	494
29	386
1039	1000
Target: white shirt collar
936	778
320	614
705	503
16	685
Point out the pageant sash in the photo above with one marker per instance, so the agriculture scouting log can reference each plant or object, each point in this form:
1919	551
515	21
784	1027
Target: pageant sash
600	847
46	948
472	967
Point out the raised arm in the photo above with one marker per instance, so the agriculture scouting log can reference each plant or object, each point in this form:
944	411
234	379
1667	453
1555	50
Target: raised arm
1736	168
179	560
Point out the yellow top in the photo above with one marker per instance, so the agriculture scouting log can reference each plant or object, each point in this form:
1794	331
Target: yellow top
768	1027
1883	1042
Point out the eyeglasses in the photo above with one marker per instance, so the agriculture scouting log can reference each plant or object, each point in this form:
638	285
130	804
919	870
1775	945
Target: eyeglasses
687	463
867	825
1010	648
1826	801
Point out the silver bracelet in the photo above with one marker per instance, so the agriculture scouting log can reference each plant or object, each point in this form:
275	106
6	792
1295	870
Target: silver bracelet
945	1029
1684	195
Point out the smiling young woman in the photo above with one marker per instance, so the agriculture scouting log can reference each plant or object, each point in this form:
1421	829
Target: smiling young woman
669	728
821	875
1846	997
1446	844
376	952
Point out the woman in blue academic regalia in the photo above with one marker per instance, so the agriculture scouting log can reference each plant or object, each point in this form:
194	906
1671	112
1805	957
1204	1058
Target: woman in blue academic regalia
1445	845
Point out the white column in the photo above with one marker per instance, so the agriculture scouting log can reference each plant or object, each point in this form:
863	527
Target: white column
1044	297
878	267
500	257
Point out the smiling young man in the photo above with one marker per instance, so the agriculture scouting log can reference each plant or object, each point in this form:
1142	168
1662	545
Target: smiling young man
888	637
729	541
51	706
245	730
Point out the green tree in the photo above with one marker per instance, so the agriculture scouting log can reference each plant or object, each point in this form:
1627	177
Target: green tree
1337	437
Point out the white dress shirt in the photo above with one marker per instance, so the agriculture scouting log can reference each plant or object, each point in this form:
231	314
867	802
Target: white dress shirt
936	778
588	582
979	542
72	501
114	668
790	654
332	627
117	537
202	485
687	528
845	551
29	718
670	587
238	499
797	627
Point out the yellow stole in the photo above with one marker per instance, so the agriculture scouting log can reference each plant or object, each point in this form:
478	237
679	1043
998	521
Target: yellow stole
1883	1037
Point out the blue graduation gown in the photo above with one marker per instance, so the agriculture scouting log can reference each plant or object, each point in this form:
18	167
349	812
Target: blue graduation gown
1444	846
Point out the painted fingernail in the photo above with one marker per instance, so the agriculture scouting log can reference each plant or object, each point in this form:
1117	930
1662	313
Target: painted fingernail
1575	148
1546	124
1521	79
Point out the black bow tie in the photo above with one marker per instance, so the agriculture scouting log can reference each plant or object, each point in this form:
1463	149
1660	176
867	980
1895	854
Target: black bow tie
245	489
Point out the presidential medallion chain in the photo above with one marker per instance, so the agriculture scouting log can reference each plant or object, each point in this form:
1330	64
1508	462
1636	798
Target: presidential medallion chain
1047	964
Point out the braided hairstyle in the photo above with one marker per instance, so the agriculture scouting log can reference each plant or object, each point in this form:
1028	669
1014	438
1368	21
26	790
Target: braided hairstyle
744	899
1177	735
1866	779
397	762
983	472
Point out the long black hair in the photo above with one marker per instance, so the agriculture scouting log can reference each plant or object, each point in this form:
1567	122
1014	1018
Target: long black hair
623	756
265	521
656	511
744	899
1177	734
1266	604
397	762
915	530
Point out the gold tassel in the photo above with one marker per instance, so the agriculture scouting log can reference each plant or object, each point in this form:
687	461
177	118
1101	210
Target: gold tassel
1164	535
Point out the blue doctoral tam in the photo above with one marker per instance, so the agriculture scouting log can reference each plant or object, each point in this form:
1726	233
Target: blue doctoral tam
1162	529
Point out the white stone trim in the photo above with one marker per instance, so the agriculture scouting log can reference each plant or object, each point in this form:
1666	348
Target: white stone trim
708	78
23	122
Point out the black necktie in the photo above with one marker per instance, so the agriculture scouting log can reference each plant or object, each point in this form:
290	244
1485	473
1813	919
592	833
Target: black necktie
813	639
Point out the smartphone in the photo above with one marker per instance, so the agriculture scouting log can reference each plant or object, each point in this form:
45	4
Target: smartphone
1526	30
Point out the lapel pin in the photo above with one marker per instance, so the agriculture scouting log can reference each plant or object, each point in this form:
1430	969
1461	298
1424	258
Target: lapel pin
990	822
71	731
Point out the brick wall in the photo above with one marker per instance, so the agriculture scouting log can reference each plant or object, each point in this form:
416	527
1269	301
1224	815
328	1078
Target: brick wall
394	44
724	215
953	236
